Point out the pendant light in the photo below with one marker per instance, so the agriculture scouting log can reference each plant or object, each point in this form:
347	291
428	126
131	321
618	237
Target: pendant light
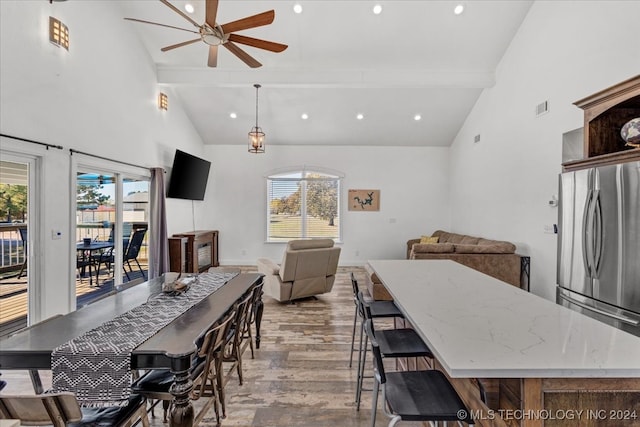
256	136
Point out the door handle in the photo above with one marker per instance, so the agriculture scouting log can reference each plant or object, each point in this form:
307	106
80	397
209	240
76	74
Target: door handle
586	306
597	234
586	220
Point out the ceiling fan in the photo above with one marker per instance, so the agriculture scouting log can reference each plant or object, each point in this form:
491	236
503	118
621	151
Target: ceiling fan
214	34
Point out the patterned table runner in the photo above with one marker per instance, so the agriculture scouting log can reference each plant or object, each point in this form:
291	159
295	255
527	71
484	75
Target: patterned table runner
96	366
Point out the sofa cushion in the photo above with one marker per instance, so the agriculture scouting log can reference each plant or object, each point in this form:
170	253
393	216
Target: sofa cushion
446	237
495	247
433	247
469	240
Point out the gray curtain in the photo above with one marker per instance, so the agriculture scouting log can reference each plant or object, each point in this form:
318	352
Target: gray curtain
158	239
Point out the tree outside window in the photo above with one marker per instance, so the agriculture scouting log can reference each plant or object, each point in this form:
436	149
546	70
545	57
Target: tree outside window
303	204
13	202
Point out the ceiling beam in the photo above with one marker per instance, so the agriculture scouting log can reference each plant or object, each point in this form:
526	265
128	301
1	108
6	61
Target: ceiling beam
380	78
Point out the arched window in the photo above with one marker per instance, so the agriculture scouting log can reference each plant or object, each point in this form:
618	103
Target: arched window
303	203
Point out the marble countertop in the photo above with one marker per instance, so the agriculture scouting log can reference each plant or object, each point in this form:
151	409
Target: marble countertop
481	327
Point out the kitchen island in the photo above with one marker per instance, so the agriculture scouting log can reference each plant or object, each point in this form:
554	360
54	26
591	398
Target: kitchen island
542	364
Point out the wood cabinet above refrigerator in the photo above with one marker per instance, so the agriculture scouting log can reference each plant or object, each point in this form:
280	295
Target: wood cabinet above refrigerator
605	113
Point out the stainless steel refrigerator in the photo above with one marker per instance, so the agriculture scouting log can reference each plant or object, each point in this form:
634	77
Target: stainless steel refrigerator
598	269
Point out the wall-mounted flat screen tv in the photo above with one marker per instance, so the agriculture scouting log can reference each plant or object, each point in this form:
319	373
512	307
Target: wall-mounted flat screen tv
189	177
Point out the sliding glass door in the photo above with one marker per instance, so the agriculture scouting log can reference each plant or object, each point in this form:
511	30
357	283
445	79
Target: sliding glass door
16	270
112	222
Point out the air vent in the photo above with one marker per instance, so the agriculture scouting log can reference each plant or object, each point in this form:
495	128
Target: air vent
476	138
542	108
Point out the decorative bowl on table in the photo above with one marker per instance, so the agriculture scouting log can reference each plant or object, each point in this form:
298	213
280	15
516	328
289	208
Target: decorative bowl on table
630	132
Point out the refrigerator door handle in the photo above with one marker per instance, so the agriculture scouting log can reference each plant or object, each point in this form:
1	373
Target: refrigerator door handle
619	317
597	234
586	225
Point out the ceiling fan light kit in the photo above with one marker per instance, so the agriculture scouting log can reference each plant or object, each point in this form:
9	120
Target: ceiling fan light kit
214	34
256	135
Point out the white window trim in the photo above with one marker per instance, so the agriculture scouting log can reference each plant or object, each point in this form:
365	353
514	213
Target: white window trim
304	169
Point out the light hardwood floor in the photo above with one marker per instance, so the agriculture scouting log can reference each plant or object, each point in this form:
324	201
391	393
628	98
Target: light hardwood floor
300	375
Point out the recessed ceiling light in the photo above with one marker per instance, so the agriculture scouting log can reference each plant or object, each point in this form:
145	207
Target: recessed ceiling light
417	117
458	9
233	115
360	116
297	8
377	9
189	7
304	116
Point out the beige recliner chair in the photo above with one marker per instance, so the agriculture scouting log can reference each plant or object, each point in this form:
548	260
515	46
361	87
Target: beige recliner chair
308	268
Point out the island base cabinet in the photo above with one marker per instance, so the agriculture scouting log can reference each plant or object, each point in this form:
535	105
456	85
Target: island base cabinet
542	402
551	402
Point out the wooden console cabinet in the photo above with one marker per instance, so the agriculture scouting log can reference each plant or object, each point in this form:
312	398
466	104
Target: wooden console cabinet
605	113
194	251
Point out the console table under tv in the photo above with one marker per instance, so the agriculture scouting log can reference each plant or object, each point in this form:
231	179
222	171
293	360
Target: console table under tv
193	251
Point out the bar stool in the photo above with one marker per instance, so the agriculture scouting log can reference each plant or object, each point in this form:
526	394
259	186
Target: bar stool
413	395
379	309
394	343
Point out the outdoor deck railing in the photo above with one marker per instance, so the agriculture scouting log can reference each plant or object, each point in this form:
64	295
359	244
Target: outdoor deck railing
12	248
12	253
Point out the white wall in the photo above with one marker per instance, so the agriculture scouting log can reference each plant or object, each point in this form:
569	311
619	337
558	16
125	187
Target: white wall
564	51
414	197
99	97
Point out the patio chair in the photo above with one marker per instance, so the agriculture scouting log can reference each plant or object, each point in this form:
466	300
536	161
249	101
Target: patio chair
131	251
23	236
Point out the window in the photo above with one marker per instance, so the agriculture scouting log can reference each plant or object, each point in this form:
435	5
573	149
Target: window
303	204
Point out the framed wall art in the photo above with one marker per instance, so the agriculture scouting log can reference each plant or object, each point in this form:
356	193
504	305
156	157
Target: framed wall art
364	200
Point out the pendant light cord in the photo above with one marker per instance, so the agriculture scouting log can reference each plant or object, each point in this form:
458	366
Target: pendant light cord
257	86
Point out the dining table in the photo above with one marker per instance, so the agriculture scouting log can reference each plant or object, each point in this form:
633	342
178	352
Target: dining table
86	255
172	347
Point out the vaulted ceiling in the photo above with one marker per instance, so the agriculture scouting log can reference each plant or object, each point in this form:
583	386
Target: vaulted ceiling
414	58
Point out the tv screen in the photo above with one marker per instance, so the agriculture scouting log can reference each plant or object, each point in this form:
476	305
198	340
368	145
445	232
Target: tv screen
188	177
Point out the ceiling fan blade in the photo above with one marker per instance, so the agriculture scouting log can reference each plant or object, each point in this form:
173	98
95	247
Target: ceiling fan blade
212	12
173	46
244	56
213	56
260	44
162	25
181	13
264	18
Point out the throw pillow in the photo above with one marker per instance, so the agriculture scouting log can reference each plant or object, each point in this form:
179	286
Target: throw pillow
429	239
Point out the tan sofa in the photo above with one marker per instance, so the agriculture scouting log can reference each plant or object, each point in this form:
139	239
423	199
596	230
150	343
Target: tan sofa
493	257
308	268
